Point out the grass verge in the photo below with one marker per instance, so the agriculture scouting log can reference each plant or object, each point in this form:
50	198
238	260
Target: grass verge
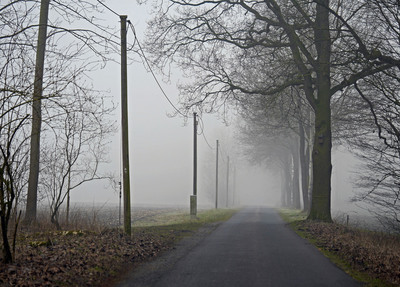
176	225
180	217
369	257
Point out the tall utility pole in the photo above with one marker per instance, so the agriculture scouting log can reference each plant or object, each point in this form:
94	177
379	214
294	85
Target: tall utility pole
227	183
193	198
124	123
234	197
216	178
31	201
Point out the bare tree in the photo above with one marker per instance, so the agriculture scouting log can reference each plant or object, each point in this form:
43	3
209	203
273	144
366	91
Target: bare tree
13	151
73	30
8	175
76	142
291	113
321	47
31	201
379	148
14	119
270	140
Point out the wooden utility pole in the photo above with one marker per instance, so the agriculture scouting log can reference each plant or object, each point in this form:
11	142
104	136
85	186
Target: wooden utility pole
194	154
227	183
234	196
120	201
125	133
31	201
193	198
216	177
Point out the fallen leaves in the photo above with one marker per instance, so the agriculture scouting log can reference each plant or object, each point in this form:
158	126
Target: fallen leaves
377	254
79	258
90	254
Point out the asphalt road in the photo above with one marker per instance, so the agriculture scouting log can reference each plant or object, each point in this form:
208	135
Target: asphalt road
253	248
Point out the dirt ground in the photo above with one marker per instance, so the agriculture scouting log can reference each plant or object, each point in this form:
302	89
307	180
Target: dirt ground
95	255
79	258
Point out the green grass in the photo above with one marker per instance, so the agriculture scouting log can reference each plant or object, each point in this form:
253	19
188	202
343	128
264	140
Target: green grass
181	224
292	215
181	217
295	217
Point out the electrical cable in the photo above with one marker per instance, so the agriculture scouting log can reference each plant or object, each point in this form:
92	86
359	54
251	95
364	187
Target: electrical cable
207	141
132	46
108	8
143	56
145	59
221	153
201	125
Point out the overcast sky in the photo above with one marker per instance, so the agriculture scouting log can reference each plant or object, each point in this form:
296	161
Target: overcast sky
161	147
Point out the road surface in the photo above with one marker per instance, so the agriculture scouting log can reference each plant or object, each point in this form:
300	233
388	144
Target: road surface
253	248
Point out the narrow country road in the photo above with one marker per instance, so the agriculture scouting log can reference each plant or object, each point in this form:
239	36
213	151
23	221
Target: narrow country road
253	248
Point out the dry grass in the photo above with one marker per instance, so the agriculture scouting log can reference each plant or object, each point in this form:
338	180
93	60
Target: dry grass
373	257
89	252
377	254
77	258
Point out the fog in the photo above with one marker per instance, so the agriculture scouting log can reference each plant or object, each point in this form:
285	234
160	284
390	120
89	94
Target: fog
161	146
258	187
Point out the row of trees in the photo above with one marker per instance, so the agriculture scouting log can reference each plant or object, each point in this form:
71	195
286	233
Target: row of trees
54	126
286	59
280	137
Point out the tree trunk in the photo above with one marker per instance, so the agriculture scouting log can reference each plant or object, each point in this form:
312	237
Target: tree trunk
322	165
309	132
31	204
283	188
287	180
295	176
7	255
54	218
286	189
68	196
304	167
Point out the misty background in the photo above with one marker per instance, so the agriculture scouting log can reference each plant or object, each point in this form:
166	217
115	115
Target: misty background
161	146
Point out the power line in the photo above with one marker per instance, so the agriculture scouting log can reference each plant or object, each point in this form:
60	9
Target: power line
206	141
201	124
143	56
108	8
222	152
